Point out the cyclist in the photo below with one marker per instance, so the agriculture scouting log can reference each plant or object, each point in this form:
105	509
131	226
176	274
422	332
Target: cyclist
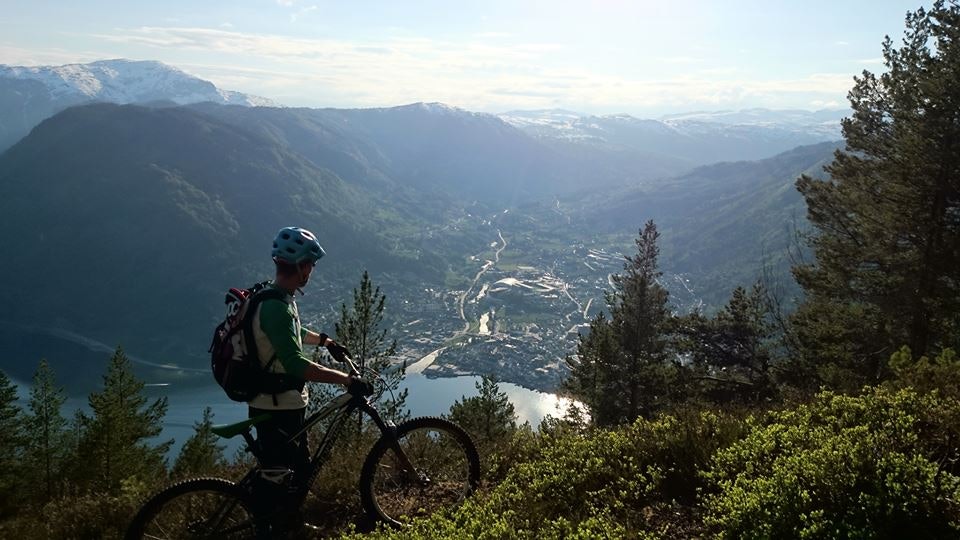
278	333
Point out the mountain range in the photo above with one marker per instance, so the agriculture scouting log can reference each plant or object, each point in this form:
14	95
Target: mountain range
127	221
28	95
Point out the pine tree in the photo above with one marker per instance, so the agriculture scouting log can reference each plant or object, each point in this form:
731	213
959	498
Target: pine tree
11	446
887	242
623	371
46	434
488	416
200	454
639	314
359	330
73	470
595	375
114	445
733	353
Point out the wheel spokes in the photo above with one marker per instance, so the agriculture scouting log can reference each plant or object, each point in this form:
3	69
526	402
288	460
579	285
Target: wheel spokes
201	515
440	478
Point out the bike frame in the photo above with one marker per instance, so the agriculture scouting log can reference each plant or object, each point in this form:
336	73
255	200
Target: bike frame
340	408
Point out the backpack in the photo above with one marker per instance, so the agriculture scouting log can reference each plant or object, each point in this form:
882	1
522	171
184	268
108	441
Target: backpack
233	351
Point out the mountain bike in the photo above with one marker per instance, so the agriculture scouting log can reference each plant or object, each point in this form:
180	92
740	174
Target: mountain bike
414	469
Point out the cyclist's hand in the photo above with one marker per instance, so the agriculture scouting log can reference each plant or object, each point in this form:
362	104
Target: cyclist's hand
337	351
359	387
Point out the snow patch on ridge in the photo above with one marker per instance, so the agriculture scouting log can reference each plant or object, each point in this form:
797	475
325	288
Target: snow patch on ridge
128	81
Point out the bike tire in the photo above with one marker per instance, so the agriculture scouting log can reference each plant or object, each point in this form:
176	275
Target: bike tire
437	448
181	510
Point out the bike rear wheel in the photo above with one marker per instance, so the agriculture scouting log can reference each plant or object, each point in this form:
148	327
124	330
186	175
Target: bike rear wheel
197	508
446	470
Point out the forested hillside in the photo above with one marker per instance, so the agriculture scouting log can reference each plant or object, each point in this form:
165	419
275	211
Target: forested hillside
191	203
177	203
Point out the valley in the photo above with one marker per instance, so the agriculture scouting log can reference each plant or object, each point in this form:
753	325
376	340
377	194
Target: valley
493	237
520	303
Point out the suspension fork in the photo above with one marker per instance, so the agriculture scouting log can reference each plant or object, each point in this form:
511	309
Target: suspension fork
390	430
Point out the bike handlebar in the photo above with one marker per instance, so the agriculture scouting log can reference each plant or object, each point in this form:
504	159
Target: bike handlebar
341	354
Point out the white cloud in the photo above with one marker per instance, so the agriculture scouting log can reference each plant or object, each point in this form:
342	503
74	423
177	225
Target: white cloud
841	43
871	61
45	57
226	25
287	48
820	104
477	75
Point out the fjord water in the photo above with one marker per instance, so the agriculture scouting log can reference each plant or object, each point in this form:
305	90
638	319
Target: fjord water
427	397
80	369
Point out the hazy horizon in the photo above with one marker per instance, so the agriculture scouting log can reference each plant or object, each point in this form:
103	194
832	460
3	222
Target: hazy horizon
596	58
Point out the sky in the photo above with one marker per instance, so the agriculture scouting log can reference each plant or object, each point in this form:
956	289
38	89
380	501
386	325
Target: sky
645	57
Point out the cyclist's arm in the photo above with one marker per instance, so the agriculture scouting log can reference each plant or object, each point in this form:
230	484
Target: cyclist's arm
317	373
276	321
312	338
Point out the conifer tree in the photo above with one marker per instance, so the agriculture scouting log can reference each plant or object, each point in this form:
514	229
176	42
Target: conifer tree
46	434
623	371
200	454
594	373
115	443
639	314
359	330
488	416
11	445
732	353
887	242
73	470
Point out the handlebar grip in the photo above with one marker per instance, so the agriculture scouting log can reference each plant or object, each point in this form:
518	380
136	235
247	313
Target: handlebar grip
339	352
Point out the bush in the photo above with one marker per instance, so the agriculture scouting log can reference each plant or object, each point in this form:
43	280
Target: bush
941	373
882	465
605	484
91	516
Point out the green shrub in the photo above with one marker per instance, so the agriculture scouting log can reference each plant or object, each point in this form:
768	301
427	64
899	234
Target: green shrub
882	465
602	484
90	516
941	373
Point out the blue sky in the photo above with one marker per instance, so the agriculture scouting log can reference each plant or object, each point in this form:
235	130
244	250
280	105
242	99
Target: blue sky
643	57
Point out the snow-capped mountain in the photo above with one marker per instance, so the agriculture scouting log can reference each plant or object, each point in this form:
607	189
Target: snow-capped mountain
29	95
564	124
796	117
127	81
694	138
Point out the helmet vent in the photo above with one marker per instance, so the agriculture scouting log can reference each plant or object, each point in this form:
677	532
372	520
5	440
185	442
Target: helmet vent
295	245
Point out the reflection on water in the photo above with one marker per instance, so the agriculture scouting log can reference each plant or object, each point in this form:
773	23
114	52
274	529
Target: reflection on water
427	397
431	397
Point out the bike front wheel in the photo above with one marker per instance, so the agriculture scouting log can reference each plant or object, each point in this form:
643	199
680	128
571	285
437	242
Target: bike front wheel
197	508
429	464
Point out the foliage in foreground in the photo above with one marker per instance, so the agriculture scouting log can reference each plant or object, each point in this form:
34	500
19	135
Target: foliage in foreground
878	465
603	484
882	465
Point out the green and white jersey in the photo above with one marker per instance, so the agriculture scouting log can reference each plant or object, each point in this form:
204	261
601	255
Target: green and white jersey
277	332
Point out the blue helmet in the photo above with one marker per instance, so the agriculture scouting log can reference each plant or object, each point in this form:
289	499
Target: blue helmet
295	245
